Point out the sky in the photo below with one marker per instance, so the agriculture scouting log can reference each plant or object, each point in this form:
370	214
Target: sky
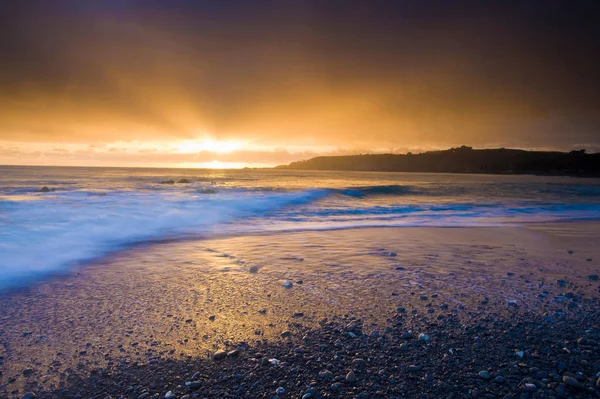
234	83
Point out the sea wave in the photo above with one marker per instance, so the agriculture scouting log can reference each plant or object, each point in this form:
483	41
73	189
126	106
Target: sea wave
43	233
66	228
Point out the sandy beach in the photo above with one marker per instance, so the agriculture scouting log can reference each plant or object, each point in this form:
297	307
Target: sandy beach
518	316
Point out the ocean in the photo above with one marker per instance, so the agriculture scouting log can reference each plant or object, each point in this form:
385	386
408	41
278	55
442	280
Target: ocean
94	212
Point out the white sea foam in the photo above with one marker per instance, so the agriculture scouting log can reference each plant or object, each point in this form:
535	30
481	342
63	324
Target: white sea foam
96	212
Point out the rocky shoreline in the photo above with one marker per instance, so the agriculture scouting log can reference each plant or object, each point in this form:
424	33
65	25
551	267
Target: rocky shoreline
333	316
413	357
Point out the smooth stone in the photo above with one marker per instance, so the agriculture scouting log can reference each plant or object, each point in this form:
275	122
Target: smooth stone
193	384
359	363
528	387
572	382
326	374
280	391
219	355
423	337
233	353
484	374
351	377
29	395
170	395
499	380
288	284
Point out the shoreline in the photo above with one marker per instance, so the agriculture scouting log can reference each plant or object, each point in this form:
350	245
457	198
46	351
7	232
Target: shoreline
154	305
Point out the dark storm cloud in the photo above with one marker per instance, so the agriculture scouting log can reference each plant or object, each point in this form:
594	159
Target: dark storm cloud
515	73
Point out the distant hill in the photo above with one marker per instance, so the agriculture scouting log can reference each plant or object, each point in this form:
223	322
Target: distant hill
463	160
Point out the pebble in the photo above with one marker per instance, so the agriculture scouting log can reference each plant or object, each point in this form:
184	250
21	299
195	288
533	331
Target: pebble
351	377
193	384
219	355
326	374
170	395
572	382
29	395
280	391
359	363
288	284
528	387
233	353
499	380
484	374
423	337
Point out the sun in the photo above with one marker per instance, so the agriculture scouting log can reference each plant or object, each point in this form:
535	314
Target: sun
208	145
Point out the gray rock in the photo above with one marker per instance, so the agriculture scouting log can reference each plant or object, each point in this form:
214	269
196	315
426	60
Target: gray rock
484	374
326	375
45	190
288	284
572	382
351	377
233	353
528	387
193	384
359	363
167	182
185	181
170	395
29	395
219	355
499	380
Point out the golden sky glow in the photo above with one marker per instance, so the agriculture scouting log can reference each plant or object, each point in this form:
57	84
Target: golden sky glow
159	83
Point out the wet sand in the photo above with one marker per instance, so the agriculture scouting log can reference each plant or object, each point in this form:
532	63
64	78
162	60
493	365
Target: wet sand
144	314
